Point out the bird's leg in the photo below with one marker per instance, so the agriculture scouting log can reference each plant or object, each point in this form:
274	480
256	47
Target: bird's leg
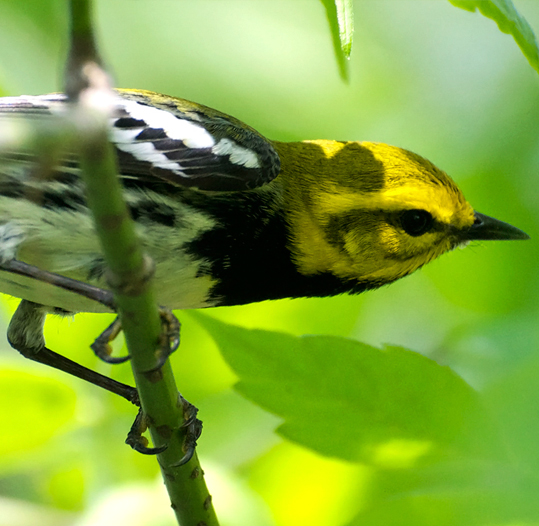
101	346
14	266
25	334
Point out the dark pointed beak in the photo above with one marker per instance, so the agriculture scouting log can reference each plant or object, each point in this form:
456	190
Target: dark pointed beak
486	227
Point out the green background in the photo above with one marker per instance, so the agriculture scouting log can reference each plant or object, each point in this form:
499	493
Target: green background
425	76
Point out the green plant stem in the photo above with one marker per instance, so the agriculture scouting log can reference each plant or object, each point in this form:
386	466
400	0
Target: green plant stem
141	324
130	274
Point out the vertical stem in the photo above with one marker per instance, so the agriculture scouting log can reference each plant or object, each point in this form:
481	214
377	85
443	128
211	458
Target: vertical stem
129	271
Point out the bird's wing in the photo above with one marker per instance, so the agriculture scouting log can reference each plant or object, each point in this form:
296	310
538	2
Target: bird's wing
164	139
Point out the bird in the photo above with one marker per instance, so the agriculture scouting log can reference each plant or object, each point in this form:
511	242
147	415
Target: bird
228	216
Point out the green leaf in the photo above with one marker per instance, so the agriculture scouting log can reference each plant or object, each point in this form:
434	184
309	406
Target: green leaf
340	15
346	399
460	494
345	21
513	400
509	21
42	407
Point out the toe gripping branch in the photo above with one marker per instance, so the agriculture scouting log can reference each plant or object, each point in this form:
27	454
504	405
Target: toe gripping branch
137	441
192	427
169	342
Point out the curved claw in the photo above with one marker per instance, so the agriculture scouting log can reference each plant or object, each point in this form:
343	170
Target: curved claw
169	342
140	447
172	328
170	337
139	443
111	359
161	358
190	442
101	345
193	431
186	458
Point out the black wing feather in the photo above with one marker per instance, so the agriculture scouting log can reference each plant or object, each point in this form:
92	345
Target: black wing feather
237	158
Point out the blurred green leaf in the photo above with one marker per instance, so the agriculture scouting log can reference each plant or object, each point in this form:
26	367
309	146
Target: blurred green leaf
459	494
346	399
45	14
509	21
42	407
66	488
513	400
33	62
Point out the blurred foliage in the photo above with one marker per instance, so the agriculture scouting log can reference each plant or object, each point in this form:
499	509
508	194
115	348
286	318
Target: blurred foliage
424	76
509	21
391	405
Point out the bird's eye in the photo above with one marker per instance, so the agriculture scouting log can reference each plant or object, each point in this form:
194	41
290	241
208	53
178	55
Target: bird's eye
416	222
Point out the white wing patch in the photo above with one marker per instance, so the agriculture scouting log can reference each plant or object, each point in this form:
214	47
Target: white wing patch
192	135
237	154
145	151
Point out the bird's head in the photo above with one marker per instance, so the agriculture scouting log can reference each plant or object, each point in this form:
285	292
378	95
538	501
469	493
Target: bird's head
373	213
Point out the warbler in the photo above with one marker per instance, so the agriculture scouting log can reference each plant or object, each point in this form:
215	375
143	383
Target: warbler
228	216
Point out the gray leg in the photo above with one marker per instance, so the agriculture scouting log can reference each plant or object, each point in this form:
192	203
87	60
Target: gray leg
25	334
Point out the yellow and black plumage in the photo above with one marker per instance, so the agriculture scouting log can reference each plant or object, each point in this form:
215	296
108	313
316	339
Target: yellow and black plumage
230	217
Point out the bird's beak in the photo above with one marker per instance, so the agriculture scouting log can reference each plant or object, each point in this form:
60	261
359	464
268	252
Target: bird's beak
486	227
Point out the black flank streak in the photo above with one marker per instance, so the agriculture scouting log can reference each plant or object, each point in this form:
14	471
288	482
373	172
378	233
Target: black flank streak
151	212
13	190
65	200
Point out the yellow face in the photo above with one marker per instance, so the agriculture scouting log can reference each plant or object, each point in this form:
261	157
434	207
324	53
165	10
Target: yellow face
367	211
